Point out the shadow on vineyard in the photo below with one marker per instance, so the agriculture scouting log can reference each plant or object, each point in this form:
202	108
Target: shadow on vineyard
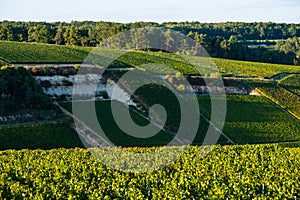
44	135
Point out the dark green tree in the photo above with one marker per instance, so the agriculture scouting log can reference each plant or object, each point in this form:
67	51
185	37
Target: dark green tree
6	32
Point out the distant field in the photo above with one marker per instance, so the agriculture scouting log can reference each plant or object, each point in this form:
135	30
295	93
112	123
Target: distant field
292	83
17	52
226	67
260	41
204	65
244	68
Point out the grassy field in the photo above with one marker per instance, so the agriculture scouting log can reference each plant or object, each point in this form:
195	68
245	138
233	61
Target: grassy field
233	172
254	120
155	94
292	83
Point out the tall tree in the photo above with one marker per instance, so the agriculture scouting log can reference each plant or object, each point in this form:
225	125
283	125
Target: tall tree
71	36
168	40
6	32
184	46
59	36
39	34
139	38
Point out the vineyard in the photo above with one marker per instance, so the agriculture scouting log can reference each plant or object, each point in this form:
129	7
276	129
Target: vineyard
292	83
47	135
47	160
249	119
113	132
17	52
243	68
253	119
284	98
243	172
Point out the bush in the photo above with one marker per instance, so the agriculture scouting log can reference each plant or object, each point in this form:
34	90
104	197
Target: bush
181	88
76	67
46	84
67	83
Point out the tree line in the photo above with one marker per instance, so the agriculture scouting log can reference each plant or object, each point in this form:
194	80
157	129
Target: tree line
291	46
223	40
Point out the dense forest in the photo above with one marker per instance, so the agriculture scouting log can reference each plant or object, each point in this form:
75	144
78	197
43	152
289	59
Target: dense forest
224	40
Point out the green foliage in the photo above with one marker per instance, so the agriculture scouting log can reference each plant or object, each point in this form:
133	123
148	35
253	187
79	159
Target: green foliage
291	45
51	71
179	76
39	34
76	67
18	89
71	36
233	172
56	134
